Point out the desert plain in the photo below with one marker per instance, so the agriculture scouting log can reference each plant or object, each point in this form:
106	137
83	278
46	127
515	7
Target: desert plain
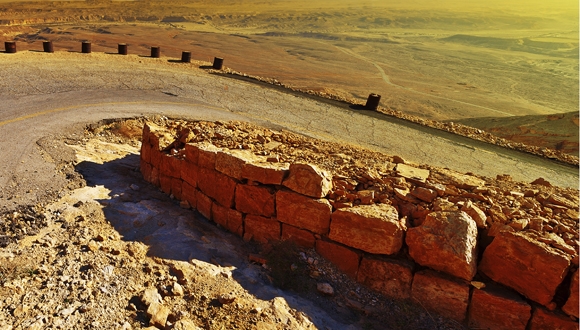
507	67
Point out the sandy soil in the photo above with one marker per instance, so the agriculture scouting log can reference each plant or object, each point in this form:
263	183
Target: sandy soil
448	63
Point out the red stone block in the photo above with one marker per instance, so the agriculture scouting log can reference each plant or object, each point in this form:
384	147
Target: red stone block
191	153
206	181
146	170
189	194
220	214
176	188
265	173
256	200
236	222
170	166
217	186
392	278
231	162
371	228
301	237
303	212
189	173
545	320
228	218
309	180
206	155
155	176
145	133
146	152
165	183
498	309
156	156
262	229
344	258
447	242
441	294
532	268
204	204
571	306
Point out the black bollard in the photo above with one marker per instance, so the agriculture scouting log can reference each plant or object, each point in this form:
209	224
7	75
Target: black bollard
155	52
10	46
86	47
47	47
186	57
122	49
373	101
218	63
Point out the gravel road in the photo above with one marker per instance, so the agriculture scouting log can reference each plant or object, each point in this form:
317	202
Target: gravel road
49	94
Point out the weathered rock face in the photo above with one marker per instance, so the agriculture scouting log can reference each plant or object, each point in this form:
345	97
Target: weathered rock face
446	241
571	306
441	294
392	278
308	180
371	228
532	268
543	320
303	212
495	309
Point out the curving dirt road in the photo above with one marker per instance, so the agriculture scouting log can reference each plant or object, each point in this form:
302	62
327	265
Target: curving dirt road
45	94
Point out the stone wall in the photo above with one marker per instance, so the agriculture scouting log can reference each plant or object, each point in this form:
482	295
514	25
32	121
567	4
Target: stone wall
433	262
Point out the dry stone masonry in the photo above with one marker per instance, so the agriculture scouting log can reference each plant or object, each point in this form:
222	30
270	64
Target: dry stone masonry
489	253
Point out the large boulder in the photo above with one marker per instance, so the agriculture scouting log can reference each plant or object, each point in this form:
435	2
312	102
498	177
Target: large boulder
371	228
308	180
446	241
533	268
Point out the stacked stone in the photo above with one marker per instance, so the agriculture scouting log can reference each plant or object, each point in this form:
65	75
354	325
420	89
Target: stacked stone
434	261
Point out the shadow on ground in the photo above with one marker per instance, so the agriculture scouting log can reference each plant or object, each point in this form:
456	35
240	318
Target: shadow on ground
141	212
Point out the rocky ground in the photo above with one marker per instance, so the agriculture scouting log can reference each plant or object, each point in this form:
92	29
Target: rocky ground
112	252
115	252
